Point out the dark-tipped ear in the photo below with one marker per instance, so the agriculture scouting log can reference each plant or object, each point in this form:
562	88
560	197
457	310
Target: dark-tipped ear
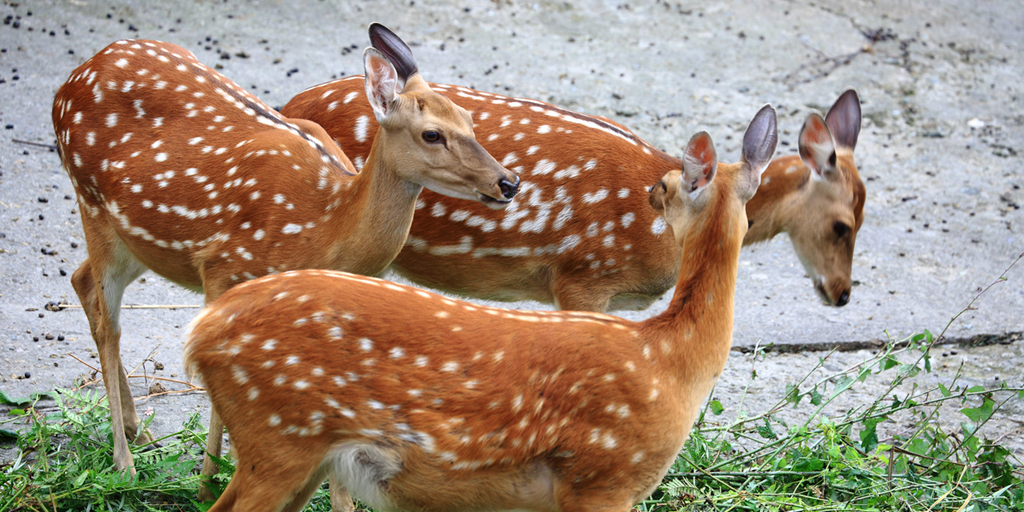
843	119
700	162
395	49
382	84
816	147
761	138
759	142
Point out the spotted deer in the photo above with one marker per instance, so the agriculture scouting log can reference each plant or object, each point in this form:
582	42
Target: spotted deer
417	402
580	235
180	171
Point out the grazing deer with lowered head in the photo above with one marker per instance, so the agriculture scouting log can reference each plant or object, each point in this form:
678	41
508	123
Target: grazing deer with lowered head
416	402
581	236
180	171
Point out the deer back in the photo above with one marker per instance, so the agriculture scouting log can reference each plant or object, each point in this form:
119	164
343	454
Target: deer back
187	168
581	215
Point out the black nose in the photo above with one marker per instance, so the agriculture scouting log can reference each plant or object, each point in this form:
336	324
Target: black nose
843	298
509	189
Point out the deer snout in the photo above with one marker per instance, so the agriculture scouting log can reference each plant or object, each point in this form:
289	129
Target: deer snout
508	188
500	194
657	194
835	293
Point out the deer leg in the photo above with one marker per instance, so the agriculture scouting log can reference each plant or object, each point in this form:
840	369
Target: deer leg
212	288
283	485
213	446
100	284
570	297
341	500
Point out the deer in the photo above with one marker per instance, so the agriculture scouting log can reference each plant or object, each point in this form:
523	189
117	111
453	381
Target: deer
182	172
581	236
419	402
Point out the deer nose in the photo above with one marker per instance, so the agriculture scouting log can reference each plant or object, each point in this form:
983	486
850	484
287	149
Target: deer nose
843	298
509	189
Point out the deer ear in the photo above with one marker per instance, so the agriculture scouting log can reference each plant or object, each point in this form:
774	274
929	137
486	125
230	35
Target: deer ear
843	119
382	85
759	143
699	165
385	41
816	147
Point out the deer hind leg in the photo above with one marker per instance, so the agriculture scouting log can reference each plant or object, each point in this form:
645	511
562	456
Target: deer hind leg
284	485
341	500
100	284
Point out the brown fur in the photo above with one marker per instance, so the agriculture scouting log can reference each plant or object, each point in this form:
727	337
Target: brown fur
182	172
455	252
543	411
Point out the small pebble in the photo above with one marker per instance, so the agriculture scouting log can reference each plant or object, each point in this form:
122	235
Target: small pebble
28	375
60	337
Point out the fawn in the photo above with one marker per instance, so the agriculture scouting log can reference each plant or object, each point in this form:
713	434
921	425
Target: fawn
180	171
417	402
581	236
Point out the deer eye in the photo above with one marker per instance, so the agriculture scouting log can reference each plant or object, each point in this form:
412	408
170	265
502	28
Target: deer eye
840	228
432	136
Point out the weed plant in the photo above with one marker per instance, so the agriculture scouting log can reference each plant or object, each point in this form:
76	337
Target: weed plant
754	462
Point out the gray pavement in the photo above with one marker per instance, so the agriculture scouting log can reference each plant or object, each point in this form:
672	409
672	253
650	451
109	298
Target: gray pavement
940	147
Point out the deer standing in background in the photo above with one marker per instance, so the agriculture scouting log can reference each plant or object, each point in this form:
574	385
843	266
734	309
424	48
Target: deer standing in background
180	171
417	402
581	236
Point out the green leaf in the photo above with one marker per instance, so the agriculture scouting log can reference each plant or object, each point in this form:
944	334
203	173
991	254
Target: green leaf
8	434
6	399
716	407
889	362
909	370
766	430
16	412
869	436
815	396
81	478
808	464
793	394
945	391
842	384
981	413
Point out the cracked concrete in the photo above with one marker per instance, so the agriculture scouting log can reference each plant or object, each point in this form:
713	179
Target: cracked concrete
939	148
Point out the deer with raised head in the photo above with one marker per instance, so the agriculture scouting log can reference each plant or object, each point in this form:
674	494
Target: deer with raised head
417	402
180	171
580	235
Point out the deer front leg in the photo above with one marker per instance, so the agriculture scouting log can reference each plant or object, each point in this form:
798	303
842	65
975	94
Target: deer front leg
100	292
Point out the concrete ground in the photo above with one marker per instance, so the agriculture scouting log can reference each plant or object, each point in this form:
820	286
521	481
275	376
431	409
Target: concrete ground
940	151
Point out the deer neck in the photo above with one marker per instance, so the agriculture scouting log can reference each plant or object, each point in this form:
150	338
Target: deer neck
383	205
778	199
692	338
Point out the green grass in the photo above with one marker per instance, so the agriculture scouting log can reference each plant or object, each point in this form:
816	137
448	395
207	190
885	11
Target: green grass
754	462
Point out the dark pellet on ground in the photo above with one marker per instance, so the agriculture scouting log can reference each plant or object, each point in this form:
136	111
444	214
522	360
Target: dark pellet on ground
35	338
49	336
60	337
43	200
28	375
41	315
